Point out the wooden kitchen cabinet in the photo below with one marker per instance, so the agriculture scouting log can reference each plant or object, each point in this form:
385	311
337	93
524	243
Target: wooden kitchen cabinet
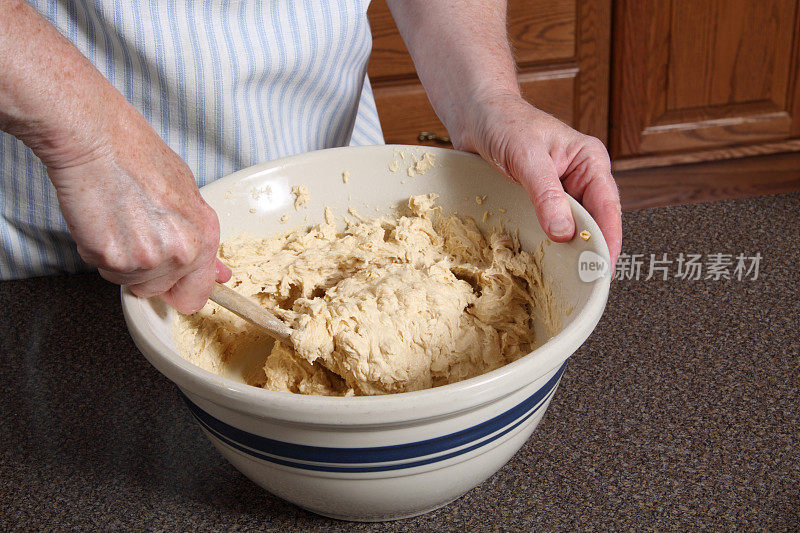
406	112
695	80
543	30
661	82
561	48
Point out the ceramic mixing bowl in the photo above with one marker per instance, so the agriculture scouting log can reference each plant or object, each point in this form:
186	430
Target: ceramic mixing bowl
381	457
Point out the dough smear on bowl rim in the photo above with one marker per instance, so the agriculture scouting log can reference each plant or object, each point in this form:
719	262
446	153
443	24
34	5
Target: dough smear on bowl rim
390	304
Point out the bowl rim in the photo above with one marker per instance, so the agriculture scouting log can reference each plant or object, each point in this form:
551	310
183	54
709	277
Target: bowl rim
374	410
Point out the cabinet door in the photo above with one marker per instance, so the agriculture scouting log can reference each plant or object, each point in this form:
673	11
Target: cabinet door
703	75
561	48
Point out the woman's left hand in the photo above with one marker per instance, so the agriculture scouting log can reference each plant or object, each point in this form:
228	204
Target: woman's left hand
550	160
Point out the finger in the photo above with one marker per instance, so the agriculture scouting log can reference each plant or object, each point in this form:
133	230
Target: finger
540	179
155	286
141	266
191	292
601	199
136	277
120	278
223	272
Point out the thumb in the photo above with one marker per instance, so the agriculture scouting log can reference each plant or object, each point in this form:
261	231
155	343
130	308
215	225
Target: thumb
540	179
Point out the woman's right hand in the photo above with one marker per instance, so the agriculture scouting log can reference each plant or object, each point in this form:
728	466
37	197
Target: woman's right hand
135	212
130	202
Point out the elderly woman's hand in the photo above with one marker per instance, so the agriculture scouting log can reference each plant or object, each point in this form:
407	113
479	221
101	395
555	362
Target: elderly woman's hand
135	212
130	202
547	158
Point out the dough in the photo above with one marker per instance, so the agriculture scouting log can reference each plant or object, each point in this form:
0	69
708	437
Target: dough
301	196
391	304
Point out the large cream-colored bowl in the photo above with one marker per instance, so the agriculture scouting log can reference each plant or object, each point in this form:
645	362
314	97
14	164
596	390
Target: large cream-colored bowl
380	457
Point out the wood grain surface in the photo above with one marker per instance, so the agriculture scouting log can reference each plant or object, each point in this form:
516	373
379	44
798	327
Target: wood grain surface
697	75
682	158
690	81
541	31
594	49
703	182
405	110
562	49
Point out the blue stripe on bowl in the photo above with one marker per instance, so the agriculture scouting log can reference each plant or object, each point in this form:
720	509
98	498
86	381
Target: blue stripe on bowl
288	454
379	453
360	469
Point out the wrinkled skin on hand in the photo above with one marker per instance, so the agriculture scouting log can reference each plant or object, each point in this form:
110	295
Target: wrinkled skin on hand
549	159
134	210
130	202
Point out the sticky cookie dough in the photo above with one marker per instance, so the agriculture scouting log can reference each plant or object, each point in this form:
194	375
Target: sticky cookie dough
391	304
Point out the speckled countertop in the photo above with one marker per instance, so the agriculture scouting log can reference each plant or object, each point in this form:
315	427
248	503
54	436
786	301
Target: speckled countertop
680	412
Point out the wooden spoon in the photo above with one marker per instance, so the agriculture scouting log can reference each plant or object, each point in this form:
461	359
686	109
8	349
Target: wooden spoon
252	312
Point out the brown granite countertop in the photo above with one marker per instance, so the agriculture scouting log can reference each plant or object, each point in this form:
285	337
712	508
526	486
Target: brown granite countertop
680	412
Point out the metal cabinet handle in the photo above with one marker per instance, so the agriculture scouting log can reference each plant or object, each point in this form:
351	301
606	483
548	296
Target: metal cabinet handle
430	136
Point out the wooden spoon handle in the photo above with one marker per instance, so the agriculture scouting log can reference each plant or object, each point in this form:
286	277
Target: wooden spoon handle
252	312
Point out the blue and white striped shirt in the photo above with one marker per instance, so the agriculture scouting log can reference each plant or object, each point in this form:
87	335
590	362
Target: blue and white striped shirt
225	83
